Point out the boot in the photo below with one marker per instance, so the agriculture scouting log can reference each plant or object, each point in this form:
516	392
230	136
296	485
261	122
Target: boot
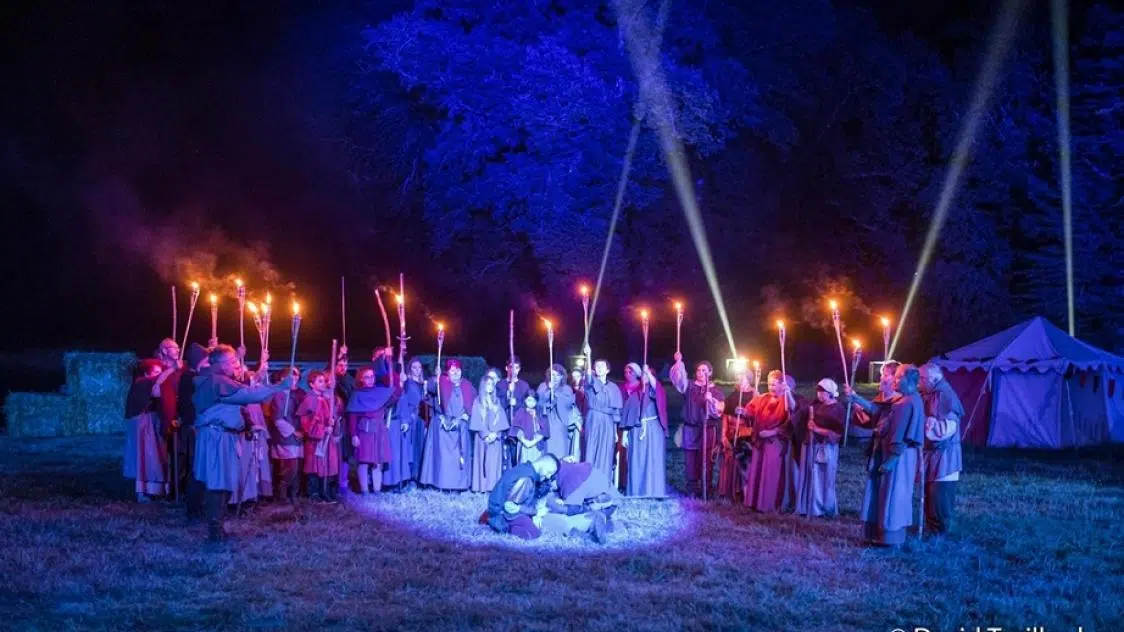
330	488
345	469
314	488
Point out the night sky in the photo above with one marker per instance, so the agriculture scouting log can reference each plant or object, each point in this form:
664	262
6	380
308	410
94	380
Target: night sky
135	131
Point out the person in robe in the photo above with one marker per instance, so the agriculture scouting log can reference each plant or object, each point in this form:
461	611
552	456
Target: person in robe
345	384
368	420
645	416
511	391
577	382
941	454
255	469
145	451
168	354
557	404
821	425
769	414
604	400
582	501
219	399
887	508
322	432
447	459
407	430
531	429
513	503
286	440
489	425
703	403
195	361
736	433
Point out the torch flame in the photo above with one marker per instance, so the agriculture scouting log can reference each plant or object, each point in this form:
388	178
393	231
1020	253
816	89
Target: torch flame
858	343
268	298
678	306
265	309
885	322
549	325
399	298
583	289
756	365
834	305
214	299
644	314
440	326
238	282
253	308
194	286
296	308
780	324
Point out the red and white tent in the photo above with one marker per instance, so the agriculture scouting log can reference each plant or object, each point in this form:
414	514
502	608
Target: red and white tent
1035	386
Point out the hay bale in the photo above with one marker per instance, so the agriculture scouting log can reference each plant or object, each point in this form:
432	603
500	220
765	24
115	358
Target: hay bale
99	374
472	367
102	415
40	414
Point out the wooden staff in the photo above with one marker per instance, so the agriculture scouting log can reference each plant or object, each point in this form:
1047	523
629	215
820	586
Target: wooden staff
678	325
856	356
644	328
756	376
296	328
214	317
241	313
440	344
510	367
809	471
322	449
401	325
781	337
266	317
190	315
385	320
343	309
838	322
584	291
175	315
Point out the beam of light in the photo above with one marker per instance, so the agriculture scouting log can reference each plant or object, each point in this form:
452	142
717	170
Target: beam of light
657	98
998	47
1059	12
622	185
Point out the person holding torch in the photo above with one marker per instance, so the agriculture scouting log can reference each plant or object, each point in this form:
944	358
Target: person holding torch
703	404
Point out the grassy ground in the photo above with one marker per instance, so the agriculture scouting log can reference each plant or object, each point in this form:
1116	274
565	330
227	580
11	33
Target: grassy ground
1038	543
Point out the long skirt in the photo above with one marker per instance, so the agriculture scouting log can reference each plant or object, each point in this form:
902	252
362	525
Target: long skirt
600	443
447	460
558	443
487	464
767	476
325	465
254	469
732	468
374	441
217	458
402	467
888	502
816	483
146	455
418	435
647	461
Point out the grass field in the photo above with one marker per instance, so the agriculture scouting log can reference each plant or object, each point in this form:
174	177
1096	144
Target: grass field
1038	543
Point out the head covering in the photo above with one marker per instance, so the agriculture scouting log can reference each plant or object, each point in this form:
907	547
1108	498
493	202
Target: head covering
451	363
827	384
635	369
146	365
195	354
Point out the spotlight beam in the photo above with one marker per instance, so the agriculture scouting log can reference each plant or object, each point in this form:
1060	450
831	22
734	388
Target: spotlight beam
656	96
1059	13
998	47
622	185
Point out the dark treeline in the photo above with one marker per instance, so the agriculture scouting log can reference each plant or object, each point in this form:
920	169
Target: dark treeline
478	147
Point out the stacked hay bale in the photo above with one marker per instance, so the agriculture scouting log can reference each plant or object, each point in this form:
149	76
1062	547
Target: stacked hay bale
92	401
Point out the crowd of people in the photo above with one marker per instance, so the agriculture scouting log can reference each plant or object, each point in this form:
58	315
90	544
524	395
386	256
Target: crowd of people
555	458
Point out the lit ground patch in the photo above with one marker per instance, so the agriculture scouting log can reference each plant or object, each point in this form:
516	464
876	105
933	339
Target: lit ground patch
455	516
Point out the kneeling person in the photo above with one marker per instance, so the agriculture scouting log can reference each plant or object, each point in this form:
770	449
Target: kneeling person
513	502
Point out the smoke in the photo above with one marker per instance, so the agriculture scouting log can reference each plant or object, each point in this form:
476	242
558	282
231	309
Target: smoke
182	250
813	308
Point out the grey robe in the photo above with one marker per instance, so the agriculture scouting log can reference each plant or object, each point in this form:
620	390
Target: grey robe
604	402
558	417
888	502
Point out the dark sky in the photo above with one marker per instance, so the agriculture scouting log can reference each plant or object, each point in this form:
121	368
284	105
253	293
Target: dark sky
187	115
